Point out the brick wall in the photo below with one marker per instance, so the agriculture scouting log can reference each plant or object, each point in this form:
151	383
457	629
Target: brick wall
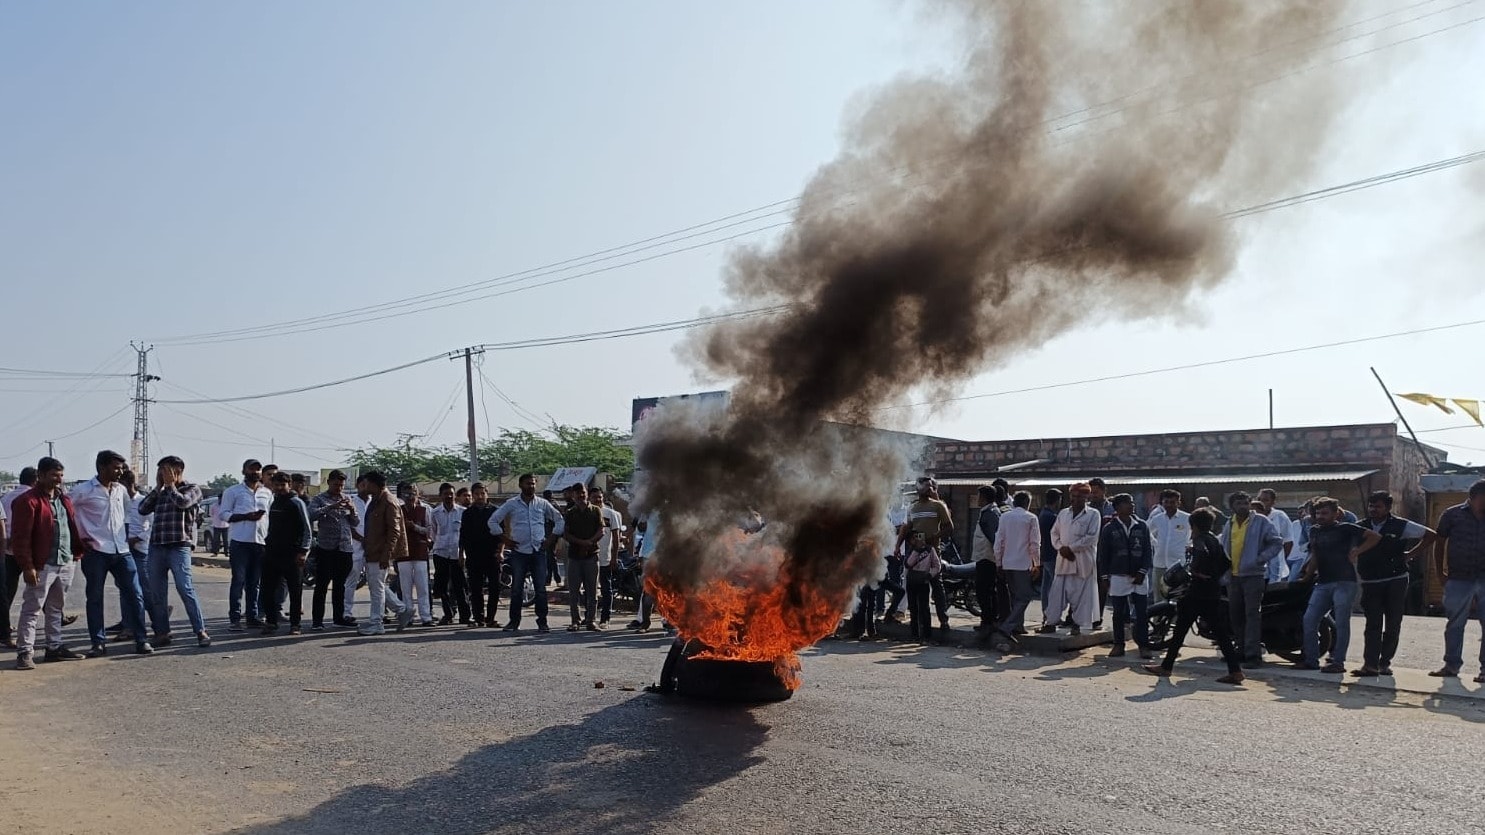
1366	445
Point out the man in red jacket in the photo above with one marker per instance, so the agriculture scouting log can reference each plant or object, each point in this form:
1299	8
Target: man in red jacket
47	544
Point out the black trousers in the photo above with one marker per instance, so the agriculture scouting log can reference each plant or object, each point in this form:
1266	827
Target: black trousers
450	588
281	571
987	581
1215	612
332	569
553	573
605	592
920	619
864	621
10	581
940	598
483	572
1383	604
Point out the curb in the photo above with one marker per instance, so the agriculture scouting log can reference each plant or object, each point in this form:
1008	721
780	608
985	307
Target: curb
1402	681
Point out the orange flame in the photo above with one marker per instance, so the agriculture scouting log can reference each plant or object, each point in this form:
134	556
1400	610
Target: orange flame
758	612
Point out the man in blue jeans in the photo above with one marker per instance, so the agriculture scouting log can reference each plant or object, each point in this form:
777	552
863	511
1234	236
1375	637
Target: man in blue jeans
1334	549
173	506
1463	528
245	507
527	547
101	507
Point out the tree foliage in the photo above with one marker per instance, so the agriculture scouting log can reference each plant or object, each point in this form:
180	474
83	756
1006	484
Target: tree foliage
8	477
222	482
512	452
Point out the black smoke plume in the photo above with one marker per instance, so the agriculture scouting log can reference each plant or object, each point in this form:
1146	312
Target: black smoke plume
1074	168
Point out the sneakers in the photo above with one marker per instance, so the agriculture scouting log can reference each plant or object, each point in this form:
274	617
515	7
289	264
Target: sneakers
235	626
371	630
511	627
61	654
294	630
1232	678
317	627
543	628
162	640
23	661
572	627
1156	670
203	640
98	651
1047	629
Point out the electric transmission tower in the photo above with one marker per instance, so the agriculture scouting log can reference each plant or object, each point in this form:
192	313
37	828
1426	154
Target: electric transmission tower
139	448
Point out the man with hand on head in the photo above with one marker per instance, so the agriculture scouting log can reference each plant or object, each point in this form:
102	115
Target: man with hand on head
172	507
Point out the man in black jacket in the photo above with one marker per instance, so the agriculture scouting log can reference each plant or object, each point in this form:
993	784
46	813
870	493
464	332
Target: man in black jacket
285	548
480	562
1125	559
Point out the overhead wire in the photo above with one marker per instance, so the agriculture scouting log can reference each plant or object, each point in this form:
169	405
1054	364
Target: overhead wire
362	315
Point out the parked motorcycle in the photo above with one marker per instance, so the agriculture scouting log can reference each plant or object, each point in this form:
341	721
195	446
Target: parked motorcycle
628	577
528	594
1282	612
958	578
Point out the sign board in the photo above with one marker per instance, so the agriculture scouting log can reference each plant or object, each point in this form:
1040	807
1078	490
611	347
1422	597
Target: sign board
642	406
568	476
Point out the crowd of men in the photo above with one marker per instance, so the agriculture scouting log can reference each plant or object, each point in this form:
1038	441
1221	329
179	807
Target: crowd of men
1081	554
271	530
1084	553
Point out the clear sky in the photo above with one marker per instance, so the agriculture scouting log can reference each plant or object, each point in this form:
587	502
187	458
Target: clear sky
171	169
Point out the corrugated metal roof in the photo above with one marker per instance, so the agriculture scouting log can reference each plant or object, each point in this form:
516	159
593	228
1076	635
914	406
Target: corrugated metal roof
1260	479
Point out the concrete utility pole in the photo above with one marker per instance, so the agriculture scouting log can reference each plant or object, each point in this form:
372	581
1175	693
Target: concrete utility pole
474	450
139	448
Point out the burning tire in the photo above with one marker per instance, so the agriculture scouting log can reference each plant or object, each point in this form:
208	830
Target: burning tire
689	672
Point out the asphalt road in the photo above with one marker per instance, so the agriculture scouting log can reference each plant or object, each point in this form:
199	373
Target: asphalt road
470	731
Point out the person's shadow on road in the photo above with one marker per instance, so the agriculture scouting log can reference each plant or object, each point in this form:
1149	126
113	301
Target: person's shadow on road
623	769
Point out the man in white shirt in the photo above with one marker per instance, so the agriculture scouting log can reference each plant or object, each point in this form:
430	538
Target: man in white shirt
100	507
1075	586
449	587
1278	567
245	507
1018	557
219	526
1170	526
608	553
527	547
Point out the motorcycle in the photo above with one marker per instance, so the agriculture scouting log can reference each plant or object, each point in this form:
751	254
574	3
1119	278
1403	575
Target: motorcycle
628	576
528	593
1281	610
958	578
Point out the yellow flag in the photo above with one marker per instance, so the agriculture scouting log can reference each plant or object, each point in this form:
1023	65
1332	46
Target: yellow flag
1429	400
1470	407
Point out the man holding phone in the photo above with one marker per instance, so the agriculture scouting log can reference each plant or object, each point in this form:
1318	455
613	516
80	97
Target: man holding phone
246	506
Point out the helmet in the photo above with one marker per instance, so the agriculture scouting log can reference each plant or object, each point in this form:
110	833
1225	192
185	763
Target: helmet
1177	576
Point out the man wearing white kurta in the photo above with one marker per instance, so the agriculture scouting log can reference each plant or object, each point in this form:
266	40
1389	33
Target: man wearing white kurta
1278	567
1075	584
1171	528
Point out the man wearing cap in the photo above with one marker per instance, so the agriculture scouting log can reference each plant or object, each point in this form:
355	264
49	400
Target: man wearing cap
930	517
246	506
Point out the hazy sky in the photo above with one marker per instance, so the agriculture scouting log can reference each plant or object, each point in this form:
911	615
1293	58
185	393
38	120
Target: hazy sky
175	169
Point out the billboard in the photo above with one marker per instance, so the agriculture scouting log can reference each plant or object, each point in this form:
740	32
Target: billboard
644	405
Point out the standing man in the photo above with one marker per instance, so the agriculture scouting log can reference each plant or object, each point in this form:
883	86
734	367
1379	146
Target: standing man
530	541
335	515
1075	588
1250	542
1220	525
245	506
447	520
1125	559
1300	528
172	507
1335	549
1170	526
1046	518
983	551
285	548
101	505
383	541
1278	567
412	567
47	544
930	517
1462	528
608	553
10	574
582	529
462	498
480	563
1018	554
554	573
1383	572
219	525
137	526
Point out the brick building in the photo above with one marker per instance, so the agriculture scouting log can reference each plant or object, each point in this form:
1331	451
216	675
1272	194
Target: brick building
1345	462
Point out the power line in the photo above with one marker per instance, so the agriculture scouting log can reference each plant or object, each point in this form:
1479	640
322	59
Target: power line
1188	366
379	312
34	373
260	441
301	389
235	411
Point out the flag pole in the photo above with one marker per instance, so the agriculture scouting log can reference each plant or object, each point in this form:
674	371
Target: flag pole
1427	459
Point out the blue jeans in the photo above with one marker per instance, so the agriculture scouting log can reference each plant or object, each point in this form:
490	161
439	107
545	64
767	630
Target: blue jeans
175	559
246	559
1338	598
1458	597
521	565
96	567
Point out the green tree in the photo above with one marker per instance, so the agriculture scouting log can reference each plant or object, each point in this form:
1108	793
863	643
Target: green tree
8	477
513	451
222	482
406	461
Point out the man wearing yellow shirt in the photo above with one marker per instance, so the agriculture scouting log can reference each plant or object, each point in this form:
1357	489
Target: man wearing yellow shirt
1252	540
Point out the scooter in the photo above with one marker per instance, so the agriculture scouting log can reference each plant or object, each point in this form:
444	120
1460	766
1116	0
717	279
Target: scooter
1282	612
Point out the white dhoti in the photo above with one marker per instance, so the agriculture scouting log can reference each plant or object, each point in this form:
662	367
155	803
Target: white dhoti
1078	594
